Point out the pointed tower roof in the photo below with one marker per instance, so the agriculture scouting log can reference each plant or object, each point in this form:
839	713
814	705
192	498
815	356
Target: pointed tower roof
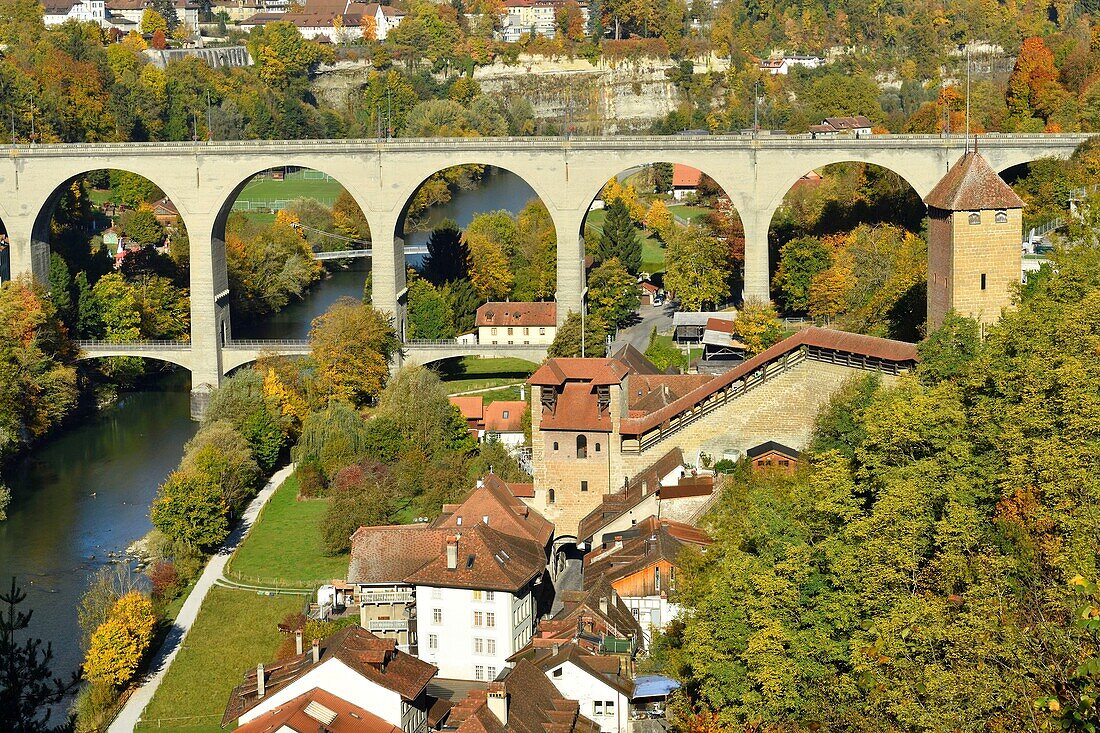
972	184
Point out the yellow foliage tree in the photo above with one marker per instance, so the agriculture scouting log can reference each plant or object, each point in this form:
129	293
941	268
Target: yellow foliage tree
291	403
488	267
119	643
628	195
658	219
369	28
152	21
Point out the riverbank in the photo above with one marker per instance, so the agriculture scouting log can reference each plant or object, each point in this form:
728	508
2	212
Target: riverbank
132	712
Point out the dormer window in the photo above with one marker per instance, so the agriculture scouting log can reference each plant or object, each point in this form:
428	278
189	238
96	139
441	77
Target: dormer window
974	218
1001	217
505	415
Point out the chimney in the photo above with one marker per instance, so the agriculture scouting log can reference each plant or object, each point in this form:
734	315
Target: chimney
316	651
618	542
452	552
260	691
603	605
554	648
298	642
498	702
523	392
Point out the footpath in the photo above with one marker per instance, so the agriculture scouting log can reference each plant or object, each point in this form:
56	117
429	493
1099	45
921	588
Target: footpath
131	712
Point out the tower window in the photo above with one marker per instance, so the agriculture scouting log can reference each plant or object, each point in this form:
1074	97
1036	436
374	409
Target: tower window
551	497
974	218
584	486
582	446
555	445
983	281
1001	217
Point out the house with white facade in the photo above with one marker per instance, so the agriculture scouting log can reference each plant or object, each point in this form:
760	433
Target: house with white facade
82	11
517	323
782	65
352	664
131	10
476	604
534	18
598	683
322	20
462	593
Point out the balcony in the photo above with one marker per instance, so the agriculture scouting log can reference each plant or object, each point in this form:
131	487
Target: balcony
384	625
372	597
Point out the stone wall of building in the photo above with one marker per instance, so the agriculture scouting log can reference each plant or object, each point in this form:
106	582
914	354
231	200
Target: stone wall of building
985	262
782	409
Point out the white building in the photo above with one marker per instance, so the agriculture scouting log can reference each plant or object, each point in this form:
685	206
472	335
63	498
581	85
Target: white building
322	20
82	11
352	664
132	10
461	593
595	682
476	605
517	323
782	65
534	17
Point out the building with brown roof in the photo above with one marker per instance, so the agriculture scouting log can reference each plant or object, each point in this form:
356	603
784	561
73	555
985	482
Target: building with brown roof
641	564
594	618
504	422
685	181
472	581
522	701
975	225
771	455
333	20
318	710
600	684
597	422
353	665
517	323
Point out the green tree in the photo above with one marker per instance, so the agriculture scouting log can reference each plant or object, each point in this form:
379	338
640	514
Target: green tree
663	353
758	326
800	260
152	21
613	293
568	342
220	454
464	302
430	315
435	425
698	269
447	254
191	510
619	238
61	288
242	402
28	686
332	438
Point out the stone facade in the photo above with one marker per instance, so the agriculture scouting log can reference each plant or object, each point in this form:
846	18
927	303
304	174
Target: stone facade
569	483
782	409
973	262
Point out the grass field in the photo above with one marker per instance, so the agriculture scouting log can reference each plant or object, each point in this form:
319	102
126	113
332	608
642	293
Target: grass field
471	372
693	214
234	631
294	186
284	546
653	251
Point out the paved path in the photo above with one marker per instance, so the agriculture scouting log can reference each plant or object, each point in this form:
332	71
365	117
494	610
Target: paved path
650	316
132	710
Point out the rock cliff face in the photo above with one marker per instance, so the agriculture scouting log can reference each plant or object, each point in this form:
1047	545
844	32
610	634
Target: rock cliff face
595	98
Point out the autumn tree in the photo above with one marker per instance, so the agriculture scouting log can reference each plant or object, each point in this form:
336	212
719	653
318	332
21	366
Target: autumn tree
119	644
488	266
1032	76
152	21
191	509
569	21
352	345
220	454
757	326
142	227
698	269
368	27
659	219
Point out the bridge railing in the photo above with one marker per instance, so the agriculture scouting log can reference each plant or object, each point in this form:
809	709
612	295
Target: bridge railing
266	344
733	139
160	345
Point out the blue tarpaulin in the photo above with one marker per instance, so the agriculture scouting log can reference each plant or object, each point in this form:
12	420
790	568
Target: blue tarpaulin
653	685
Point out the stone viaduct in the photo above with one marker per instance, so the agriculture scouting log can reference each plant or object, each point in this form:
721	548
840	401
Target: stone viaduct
203	180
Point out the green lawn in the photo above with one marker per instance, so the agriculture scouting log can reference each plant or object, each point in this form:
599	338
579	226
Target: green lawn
693	214
294	186
234	631
284	546
471	372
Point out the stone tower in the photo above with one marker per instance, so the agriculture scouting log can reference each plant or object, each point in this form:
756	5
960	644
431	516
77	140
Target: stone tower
974	240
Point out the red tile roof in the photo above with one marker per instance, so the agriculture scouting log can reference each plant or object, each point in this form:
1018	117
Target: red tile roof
577	408
684	176
522	491
389	554
721	325
887	350
646	543
372	657
594	371
517	314
487	560
640	486
496	500
534	706
971	184
495	420
314	709
472	407
848	123
649	393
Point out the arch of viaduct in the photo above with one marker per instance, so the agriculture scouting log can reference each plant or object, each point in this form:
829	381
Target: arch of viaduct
203	180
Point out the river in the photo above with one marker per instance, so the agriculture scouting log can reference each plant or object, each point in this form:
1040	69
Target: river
84	496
